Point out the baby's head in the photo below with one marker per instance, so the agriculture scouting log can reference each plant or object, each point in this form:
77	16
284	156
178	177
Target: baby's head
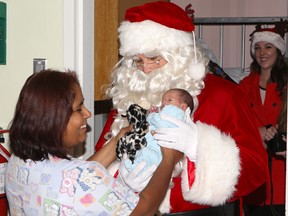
178	97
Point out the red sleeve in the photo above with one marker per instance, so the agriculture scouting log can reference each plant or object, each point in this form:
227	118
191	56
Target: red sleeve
101	141
225	106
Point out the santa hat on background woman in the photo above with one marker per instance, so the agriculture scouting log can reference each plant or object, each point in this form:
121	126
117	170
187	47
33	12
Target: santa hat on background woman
274	36
158	26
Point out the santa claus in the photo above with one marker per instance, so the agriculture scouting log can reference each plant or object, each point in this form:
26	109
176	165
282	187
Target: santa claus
158	49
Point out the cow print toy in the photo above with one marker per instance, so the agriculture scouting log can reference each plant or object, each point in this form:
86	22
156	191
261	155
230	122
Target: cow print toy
134	139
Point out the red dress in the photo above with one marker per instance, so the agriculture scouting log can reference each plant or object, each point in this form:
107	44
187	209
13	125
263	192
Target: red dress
200	185
266	113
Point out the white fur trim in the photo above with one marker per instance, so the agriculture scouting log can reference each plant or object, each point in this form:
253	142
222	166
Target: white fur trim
196	71
148	36
269	37
217	168
165	206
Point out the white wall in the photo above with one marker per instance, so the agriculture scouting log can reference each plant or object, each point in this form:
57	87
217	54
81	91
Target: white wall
79	55
60	31
34	30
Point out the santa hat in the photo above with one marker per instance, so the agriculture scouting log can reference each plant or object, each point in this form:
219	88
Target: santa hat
268	35
157	26
154	26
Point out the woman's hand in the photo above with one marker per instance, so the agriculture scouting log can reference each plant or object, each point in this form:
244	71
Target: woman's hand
122	132
283	153
107	154
270	132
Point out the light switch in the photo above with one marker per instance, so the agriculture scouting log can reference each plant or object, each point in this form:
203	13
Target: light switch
39	64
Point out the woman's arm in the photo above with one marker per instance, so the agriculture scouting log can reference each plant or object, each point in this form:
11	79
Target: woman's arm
153	194
107	154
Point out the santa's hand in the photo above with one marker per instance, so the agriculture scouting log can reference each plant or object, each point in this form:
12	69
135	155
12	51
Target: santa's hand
182	138
136	179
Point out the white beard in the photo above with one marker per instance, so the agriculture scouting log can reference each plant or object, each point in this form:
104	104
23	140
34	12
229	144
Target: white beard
131	85
137	87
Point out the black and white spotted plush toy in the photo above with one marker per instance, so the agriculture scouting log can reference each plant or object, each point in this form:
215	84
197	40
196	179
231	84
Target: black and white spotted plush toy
134	139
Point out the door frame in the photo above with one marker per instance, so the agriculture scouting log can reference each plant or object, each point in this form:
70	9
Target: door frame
78	27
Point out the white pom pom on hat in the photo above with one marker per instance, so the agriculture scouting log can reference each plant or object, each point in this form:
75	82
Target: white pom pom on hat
197	71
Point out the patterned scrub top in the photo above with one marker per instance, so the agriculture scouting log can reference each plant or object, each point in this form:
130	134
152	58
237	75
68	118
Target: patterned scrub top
62	187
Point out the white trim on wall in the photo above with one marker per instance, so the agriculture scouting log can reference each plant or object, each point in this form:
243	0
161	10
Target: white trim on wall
79	54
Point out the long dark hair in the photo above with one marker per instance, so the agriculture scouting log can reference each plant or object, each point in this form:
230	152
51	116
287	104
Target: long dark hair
42	113
282	119
278	73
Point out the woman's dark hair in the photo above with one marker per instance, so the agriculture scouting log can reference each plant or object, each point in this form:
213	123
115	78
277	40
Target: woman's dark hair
42	113
282	118
278	72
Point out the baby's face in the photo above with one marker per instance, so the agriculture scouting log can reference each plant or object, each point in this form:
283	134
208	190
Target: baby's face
172	97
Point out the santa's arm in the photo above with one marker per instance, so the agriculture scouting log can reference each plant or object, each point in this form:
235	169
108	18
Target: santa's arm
213	176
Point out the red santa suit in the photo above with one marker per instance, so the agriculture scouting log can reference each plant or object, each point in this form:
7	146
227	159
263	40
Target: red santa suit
265	114
228	165
210	181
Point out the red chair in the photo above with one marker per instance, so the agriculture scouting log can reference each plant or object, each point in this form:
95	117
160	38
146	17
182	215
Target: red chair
4	156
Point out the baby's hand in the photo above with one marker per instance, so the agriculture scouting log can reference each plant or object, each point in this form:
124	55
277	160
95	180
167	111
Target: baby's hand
153	109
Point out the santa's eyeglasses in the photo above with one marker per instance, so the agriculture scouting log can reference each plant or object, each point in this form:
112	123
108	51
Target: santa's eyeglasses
151	62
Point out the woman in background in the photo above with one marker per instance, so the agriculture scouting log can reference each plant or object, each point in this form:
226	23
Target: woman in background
266	88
